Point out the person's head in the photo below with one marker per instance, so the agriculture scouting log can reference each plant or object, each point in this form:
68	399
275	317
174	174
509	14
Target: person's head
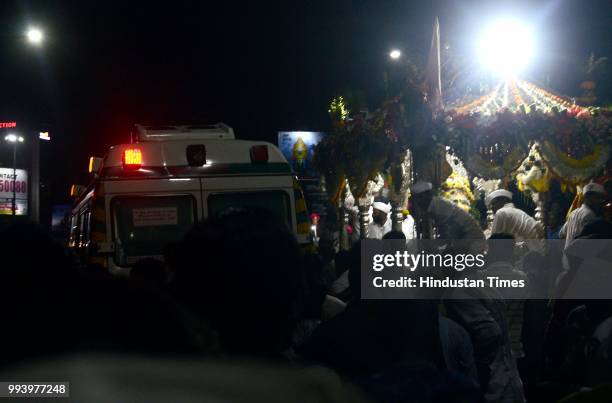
394	235
242	272
380	212
500	248
498	199
594	197
422	193
315	218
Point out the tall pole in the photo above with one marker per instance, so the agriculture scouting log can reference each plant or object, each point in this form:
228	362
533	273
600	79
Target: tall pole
34	179
13	206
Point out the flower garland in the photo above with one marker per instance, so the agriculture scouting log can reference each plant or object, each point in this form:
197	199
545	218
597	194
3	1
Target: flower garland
533	175
491	146
488	170
456	188
573	171
575	143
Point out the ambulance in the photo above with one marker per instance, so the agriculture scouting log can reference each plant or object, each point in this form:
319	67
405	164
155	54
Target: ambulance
147	194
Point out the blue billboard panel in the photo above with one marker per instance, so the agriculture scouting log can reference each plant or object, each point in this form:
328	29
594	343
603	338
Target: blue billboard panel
298	148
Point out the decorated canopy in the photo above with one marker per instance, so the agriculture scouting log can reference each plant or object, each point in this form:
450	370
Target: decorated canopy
495	133
513	94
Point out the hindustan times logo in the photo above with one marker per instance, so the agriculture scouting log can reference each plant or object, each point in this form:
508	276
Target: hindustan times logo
412	261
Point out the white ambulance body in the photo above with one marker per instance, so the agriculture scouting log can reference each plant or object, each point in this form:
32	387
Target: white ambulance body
148	194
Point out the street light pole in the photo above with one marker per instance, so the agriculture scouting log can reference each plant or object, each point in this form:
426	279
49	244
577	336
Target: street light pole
12	138
13	206
34	179
36	38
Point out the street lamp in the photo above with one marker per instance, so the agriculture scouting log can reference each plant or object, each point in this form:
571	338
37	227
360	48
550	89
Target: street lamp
395	54
15	139
35	36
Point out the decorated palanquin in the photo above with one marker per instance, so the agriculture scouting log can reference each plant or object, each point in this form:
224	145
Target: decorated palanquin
518	134
523	133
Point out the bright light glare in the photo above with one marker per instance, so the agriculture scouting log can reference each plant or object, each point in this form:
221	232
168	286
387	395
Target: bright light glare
35	36
13	138
395	54
506	47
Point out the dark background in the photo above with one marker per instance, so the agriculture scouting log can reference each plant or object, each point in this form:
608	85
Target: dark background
258	66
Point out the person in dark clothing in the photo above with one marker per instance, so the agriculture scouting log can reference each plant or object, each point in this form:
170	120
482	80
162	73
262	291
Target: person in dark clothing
371	335
56	308
242	273
574	320
406	383
150	273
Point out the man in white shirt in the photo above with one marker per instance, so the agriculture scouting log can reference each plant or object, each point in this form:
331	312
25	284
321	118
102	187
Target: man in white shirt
510	220
451	221
594	197
591	209
381	224
408	227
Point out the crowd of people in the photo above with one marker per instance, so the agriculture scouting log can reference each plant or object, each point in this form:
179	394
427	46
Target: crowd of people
239	312
534	346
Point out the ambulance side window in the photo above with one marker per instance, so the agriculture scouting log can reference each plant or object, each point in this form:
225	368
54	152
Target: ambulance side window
76	219
84	227
276	202
73	230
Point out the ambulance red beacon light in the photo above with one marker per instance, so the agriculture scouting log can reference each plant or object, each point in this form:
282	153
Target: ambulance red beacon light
132	158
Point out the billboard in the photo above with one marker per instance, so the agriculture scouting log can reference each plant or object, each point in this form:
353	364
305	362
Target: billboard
298	148
13	184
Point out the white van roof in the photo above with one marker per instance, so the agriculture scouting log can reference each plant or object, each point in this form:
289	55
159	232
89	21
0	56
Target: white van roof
231	157
143	133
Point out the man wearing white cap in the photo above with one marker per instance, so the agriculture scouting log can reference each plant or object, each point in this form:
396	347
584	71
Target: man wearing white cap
594	197
451	221
381	224
510	220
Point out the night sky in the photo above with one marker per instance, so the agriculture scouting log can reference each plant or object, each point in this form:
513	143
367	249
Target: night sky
258	66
